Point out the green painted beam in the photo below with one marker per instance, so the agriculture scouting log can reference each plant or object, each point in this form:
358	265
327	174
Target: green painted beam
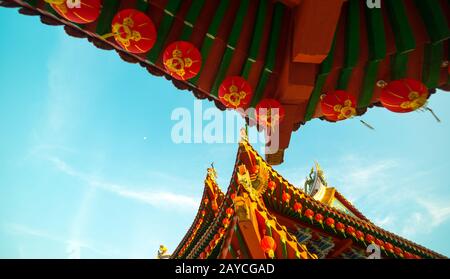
170	11
377	52
256	39
107	14
352	44
191	18
434	54
399	65
142	5
232	41
241	242
271	55
369	83
435	21
403	32
325	70
232	252
211	35
31	2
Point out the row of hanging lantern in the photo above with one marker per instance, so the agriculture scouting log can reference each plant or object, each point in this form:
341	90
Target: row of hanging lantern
135	32
400	96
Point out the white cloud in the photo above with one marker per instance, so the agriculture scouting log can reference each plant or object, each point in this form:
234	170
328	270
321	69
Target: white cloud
160	199
73	247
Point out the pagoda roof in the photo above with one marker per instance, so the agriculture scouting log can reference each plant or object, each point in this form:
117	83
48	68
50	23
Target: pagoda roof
290	50
273	213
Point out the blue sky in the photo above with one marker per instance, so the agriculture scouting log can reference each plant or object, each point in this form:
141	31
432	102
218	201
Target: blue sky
88	168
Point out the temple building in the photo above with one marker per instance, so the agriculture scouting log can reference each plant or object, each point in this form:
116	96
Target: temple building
288	54
263	216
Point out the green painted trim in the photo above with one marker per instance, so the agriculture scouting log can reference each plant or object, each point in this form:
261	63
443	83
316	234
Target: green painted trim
142	5
352	44
435	21
376	34
369	83
255	45
211	35
171	9
107	14
275	32
403	33
232	252
241	242
399	66
434	54
268	229
325	69
233	39
31	2
284	248
191	18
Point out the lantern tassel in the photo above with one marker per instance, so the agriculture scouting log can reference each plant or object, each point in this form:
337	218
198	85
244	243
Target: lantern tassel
367	125
434	115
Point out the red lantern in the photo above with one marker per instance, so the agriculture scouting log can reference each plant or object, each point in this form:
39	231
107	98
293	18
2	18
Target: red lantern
271	185
78	11
200	220
268	245
133	30
338	105
202	255
319	218
298	207
380	243
309	213
330	222
229	212
206	200
370	238
398	251
203	213
389	247
216	236
360	235
340	227
350	230
182	60
225	222
235	92
404	95
286	197
221	231
408	255
269	112
233	196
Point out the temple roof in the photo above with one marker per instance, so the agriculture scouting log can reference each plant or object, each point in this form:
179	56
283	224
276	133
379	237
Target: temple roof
290	50
259	209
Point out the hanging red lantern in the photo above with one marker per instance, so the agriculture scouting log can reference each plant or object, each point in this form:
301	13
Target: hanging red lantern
233	196
77	11
225	222
330	222
340	227
182	60
203	213
298	207
389	247
200	220
202	255
380	243
286	197
309	213
235	92
338	105
268	245
206	200
404	95
350	230
408	255
370	238
271	185
269	113
398	251
229	212
133	30
319	218
221	231
360	235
